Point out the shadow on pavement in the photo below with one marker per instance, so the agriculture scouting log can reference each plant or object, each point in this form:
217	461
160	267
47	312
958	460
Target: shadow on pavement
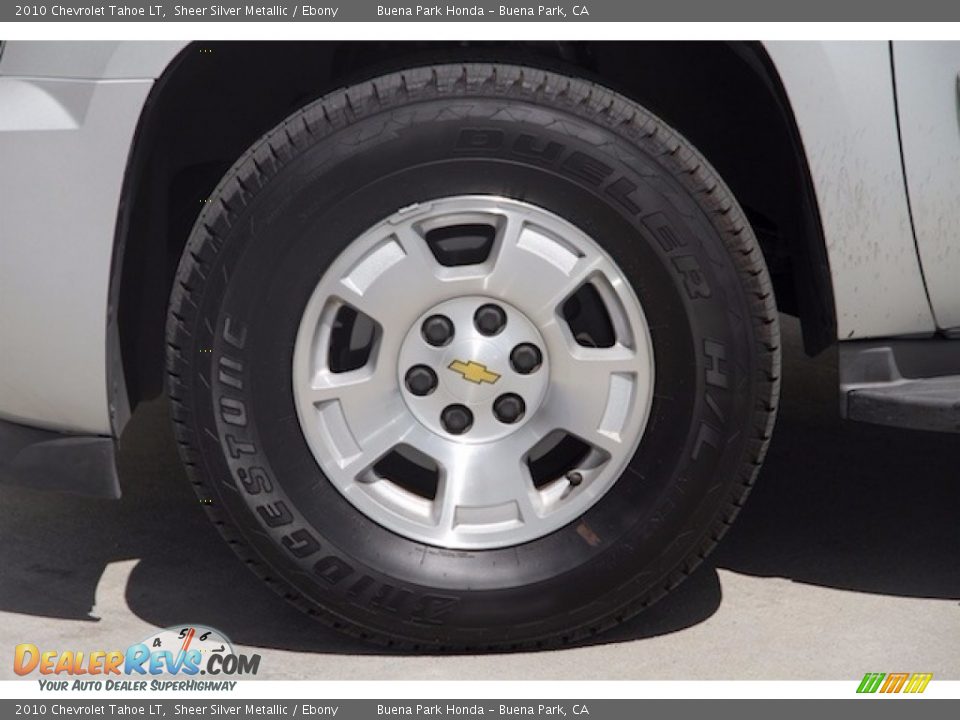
838	504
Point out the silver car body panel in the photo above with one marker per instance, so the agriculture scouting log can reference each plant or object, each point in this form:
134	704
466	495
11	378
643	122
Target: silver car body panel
64	145
927	94
89	60
842	99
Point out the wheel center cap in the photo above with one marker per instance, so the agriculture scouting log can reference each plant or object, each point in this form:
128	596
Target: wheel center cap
473	368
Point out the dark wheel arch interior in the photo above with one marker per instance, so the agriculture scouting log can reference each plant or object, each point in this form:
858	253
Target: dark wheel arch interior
209	107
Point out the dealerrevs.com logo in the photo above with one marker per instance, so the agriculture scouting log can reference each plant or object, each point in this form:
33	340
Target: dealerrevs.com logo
184	652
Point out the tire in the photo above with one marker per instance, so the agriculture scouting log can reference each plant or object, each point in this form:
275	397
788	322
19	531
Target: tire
580	152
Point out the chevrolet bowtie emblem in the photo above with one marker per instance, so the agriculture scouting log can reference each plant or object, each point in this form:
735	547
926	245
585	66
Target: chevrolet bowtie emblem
474	372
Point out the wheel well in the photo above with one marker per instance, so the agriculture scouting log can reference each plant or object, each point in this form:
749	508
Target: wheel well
209	107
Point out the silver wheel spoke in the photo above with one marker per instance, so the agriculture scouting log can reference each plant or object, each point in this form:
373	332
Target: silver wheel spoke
399	266
593	393
364	412
378	441
480	488
537	269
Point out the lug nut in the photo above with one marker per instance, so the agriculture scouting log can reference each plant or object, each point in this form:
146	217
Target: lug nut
490	319
526	358
456	419
421	380
437	330
509	408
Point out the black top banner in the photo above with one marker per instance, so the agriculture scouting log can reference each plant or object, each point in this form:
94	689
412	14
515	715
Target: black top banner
485	12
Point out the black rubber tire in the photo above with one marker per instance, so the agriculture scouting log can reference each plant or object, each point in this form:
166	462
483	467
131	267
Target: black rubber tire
346	161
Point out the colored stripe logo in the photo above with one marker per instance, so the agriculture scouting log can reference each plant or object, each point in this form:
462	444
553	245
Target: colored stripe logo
894	682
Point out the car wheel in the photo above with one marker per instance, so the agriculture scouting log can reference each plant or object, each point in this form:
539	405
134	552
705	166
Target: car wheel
472	356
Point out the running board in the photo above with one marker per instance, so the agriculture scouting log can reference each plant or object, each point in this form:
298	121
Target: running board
905	383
